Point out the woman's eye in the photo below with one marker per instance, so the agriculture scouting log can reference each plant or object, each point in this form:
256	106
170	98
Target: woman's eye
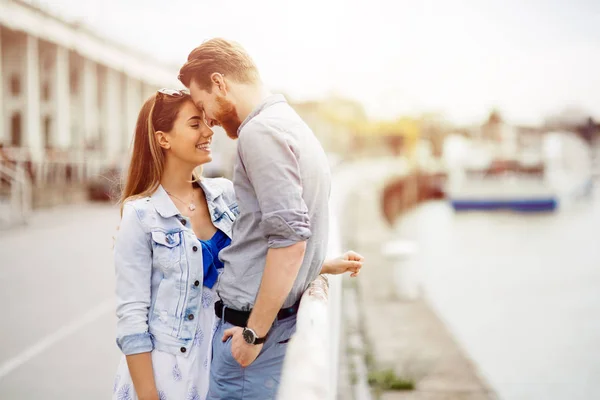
195	126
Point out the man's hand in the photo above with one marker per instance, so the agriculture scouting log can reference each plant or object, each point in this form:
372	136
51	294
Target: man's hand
348	262
242	352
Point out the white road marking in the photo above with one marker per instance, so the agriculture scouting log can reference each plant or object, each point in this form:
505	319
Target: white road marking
48	341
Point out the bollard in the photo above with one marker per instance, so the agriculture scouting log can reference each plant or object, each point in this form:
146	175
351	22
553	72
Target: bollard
405	274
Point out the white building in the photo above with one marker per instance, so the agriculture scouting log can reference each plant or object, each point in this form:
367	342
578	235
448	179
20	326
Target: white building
66	90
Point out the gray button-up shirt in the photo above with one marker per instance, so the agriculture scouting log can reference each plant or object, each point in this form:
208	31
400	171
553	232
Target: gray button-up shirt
282	183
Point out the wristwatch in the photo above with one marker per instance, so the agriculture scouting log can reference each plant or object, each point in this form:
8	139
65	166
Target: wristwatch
251	337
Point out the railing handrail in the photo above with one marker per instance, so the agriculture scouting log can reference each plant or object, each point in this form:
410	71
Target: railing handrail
306	367
57	166
310	370
10	173
20	193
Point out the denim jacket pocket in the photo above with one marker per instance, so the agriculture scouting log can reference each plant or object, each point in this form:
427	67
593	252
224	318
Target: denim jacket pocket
166	247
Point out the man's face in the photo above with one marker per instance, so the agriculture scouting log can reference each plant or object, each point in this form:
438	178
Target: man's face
217	108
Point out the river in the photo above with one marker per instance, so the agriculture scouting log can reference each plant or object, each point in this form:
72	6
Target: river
520	292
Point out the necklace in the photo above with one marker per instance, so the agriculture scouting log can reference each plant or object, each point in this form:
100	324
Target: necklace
190	205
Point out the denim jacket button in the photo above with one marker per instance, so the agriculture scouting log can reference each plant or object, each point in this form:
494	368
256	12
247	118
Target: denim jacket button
183	222
191	317
195	248
197	283
183	349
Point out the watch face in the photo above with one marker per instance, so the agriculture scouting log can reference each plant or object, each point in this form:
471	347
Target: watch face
249	336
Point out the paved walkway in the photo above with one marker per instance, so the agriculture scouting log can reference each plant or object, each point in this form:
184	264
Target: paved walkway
56	285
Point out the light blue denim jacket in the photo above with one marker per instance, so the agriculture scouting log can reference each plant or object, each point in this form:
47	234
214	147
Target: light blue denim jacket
158	261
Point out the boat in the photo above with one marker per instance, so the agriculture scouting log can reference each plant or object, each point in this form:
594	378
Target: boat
503	186
500	175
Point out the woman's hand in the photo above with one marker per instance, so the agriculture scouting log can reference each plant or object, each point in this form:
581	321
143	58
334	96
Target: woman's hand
348	262
142	375
150	396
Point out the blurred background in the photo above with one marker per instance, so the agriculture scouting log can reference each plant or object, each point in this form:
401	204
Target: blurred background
464	137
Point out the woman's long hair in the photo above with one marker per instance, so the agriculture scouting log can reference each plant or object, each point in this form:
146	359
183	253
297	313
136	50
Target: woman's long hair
147	161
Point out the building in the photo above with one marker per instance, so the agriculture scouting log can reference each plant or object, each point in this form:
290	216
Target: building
68	94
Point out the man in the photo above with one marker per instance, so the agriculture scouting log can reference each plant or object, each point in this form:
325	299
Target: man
282	183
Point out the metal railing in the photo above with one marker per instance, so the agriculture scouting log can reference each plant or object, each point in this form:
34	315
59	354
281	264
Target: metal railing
16	196
57	166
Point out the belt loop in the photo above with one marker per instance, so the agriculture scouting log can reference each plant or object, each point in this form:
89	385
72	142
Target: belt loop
223	314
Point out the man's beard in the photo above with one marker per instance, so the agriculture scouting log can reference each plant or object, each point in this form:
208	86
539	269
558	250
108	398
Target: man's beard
227	117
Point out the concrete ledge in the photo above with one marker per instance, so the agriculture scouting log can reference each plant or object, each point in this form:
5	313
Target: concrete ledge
307	357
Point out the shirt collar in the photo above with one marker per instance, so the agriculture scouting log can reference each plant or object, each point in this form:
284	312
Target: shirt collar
266	103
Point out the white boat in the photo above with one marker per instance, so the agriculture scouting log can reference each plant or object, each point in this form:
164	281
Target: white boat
488	176
512	190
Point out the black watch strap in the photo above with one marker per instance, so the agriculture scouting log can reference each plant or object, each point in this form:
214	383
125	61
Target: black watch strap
260	340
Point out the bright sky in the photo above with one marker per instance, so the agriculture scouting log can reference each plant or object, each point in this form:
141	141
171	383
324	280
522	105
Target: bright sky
456	57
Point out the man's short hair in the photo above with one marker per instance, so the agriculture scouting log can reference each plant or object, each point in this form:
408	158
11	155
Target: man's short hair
218	55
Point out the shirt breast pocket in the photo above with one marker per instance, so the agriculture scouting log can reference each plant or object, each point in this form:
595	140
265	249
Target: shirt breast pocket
166	248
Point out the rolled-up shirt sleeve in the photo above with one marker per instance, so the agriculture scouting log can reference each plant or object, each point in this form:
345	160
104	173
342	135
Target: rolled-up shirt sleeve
272	167
133	268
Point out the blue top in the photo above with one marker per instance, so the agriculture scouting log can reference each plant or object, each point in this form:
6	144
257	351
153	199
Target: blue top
210	256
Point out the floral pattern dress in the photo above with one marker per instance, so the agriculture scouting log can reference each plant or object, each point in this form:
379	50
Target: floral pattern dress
178	377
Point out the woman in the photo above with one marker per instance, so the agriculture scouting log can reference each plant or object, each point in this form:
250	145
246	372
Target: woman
166	254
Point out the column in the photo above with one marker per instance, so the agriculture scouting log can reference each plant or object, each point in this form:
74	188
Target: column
113	115
133	105
90	101
32	137
148	90
62	104
4	134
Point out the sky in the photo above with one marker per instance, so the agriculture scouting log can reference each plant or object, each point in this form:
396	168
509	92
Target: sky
458	58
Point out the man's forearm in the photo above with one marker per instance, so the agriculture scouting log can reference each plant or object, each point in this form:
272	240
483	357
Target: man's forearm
281	269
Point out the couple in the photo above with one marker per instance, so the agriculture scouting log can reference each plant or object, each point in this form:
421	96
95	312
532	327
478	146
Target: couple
194	259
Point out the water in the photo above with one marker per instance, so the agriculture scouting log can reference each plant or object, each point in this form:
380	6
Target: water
520	292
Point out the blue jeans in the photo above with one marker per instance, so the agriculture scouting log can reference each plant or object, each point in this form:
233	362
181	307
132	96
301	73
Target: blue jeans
260	380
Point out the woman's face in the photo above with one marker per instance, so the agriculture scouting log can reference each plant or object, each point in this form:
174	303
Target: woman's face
190	138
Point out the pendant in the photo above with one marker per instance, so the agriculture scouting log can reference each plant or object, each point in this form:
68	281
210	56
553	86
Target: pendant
192	206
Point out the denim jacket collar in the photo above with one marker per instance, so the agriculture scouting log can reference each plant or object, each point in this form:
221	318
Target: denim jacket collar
211	190
167	209
163	203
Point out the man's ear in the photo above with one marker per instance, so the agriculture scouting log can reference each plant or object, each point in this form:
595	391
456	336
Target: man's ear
218	81
163	140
